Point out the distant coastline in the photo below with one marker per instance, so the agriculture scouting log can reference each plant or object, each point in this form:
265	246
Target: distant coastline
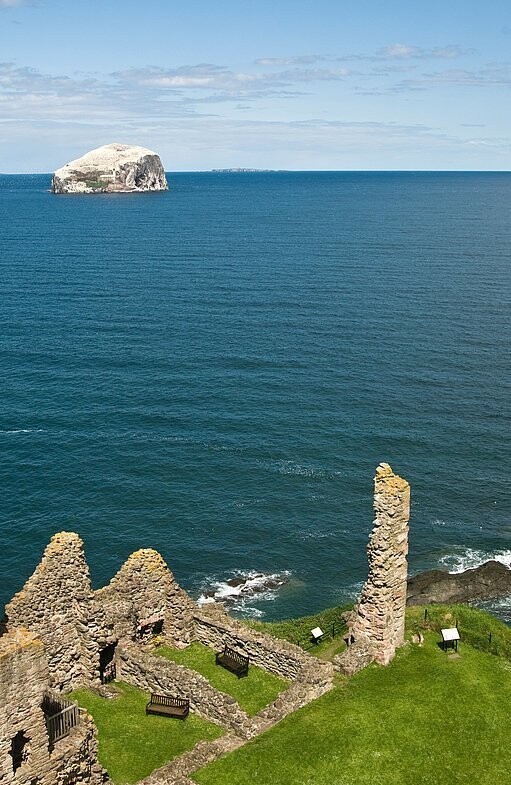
240	170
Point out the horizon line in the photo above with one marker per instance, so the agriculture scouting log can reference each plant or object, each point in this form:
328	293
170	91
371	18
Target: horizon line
262	170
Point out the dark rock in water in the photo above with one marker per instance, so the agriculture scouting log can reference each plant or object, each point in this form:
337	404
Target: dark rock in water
243	586
488	581
239	581
273	583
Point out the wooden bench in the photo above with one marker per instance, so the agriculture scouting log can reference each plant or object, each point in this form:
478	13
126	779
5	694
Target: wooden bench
168	706
233	661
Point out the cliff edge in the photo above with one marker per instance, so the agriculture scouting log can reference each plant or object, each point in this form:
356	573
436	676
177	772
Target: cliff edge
112	168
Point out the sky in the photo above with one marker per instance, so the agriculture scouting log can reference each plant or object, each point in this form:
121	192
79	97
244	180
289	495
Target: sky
272	84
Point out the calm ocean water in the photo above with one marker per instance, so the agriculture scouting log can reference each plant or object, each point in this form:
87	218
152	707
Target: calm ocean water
216	371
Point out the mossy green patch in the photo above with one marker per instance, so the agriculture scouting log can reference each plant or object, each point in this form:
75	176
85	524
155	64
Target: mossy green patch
253	692
133	744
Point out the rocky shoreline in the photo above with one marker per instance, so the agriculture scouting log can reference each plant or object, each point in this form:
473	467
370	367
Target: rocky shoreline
489	581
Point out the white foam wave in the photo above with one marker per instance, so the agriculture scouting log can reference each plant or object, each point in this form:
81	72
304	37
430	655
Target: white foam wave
251	612
22	430
242	586
500	607
469	558
247	503
318	535
158	437
301	470
355	588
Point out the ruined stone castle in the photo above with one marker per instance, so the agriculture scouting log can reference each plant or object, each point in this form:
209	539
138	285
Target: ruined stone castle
59	634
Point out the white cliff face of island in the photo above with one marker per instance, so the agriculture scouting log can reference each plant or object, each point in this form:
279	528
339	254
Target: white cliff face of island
112	168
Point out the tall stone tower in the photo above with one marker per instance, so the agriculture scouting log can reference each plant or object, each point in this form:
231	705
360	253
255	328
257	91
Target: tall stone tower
378	622
380	616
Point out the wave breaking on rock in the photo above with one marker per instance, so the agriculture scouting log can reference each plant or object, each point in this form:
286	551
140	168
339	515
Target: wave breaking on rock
242	587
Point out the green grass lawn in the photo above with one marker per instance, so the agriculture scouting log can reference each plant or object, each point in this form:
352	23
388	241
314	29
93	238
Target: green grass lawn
298	631
132	744
425	719
479	628
253	692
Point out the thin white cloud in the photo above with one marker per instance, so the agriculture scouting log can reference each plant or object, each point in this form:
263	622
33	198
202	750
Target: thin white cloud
28	94
392	53
212	77
399	51
182	91
407	52
206	141
490	76
284	61
11	3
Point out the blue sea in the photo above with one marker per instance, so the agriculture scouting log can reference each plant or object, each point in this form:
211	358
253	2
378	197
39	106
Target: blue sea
216	371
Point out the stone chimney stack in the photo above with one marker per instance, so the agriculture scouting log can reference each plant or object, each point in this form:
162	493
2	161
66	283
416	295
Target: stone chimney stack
380	616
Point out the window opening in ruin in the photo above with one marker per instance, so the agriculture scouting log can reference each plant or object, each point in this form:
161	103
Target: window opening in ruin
107	670
149	628
20	750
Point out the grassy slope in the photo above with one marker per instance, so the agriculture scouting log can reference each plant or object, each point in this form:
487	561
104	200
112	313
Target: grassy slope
298	631
423	720
252	692
474	625
131	744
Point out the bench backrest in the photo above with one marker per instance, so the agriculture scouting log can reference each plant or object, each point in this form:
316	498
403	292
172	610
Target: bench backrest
234	655
168	700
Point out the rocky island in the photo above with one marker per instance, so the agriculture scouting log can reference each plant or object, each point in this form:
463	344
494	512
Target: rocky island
112	168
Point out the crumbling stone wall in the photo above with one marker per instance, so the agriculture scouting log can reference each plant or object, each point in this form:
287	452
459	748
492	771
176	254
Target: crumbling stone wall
176	772
315	679
378	622
144	589
146	671
57	604
75	623
74	759
24	678
157	674
215	628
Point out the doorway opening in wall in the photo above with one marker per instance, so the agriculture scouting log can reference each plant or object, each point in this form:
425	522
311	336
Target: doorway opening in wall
107	670
20	750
